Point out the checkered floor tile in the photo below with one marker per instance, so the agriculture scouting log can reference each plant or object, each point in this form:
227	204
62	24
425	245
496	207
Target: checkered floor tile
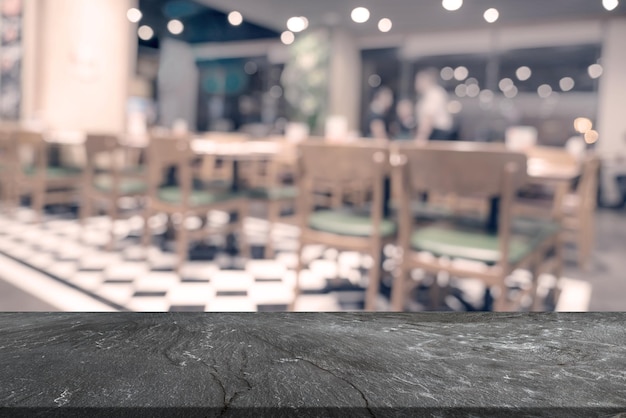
135	278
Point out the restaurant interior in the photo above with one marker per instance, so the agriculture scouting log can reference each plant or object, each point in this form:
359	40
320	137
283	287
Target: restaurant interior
294	155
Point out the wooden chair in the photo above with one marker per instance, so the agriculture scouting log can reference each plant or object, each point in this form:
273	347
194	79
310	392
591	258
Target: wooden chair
183	200
358	230
268	186
105	182
8	165
463	247
579	210
44	183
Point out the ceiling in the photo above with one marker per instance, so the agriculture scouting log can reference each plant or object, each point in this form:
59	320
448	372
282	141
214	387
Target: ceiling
412	15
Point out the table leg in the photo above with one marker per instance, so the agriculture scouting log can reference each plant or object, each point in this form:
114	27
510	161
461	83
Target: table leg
386	197
494	212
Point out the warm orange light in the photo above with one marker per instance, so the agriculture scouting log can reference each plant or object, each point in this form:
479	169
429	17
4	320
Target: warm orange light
583	125
591	137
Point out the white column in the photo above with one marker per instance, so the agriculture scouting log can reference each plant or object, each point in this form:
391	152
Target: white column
79	62
345	78
612	108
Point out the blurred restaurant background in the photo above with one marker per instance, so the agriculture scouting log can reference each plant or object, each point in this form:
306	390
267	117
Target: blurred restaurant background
292	155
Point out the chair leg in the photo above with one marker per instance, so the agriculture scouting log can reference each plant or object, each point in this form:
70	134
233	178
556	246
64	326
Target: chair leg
38	198
273	214
500	303
398	290
244	247
146	237
374	282
558	268
182	245
585	244
113	214
296	287
534	271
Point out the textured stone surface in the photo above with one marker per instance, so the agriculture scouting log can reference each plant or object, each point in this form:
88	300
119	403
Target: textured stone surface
312	364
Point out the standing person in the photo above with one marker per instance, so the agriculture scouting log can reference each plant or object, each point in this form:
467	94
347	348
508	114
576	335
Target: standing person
404	126
379	117
434	121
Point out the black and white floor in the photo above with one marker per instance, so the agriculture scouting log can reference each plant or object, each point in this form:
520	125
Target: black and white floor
65	264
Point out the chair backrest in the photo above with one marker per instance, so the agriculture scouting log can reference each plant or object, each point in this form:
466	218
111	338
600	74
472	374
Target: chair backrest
32	150
335	169
170	152
461	169
100	143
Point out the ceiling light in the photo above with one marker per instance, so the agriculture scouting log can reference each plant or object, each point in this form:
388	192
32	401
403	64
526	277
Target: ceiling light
360	15
452	5
461	90
511	92
567	83
473	90
251	67
461	73
591	137
523	73
491	15
287	37
595	71
385	25
486	96
447	73
544	91
235	18
374	80
610	4
134	15
145	33
505	84
583	125
175	27
297	23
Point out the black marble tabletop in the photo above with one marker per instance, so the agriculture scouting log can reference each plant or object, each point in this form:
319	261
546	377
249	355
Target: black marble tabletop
369	365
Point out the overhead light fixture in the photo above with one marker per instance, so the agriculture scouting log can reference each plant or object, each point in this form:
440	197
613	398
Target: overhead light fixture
134	15
595	71
385	25
452	5
491	15
287	37
511	92
591	137
175	27
461	73
297	24
505	84
523	73
447	73
567	83
544	91
360	15
145	33
235	18
610	4
583	125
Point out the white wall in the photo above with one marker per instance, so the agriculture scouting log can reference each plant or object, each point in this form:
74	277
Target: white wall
612	107
178	84
80	63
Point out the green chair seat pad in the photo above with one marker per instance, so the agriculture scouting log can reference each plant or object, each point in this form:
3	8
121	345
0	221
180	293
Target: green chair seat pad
126	185
274	193
173	194
477	244
349	224
55	172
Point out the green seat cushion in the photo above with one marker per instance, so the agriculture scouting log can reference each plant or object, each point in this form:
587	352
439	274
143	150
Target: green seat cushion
274	193
477	244
349	224
126	186
55	172
173	194
424	210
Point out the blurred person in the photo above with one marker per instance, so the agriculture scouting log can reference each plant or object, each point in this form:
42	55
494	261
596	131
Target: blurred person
434	121
404	125
379	117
